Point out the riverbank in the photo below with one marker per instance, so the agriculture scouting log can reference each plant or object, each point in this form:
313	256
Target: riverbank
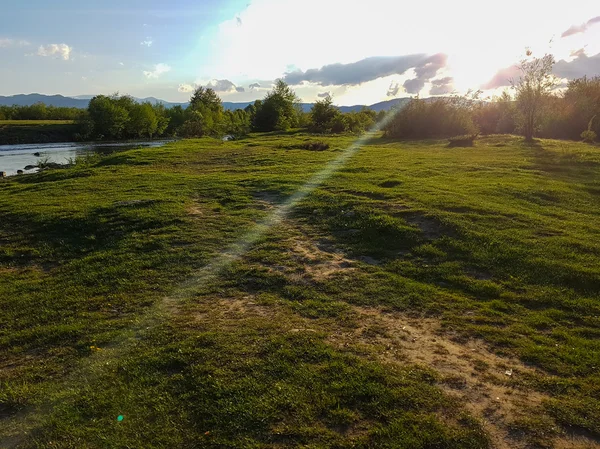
28	158
29	132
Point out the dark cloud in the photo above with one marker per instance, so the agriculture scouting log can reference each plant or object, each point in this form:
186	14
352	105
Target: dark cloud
576	29
424	72
442	86
414	86
369	69
503	77
224	86
254	86
583	65
324	94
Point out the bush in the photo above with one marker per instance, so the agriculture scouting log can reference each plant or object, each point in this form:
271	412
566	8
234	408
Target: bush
588	136
311	146
444	117
462	141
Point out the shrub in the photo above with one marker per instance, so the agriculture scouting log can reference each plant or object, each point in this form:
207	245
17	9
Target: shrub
462	141
588	136
444	117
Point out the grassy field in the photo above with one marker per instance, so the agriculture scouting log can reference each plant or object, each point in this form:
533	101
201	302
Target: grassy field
34	122
413	296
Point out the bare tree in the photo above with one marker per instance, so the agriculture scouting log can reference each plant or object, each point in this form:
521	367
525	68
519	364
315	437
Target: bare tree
533	87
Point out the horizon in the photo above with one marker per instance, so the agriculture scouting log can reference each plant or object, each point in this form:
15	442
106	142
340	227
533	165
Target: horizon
165	53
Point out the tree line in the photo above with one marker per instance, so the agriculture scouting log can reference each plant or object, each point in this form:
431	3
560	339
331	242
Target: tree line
121	117
532	108
39	111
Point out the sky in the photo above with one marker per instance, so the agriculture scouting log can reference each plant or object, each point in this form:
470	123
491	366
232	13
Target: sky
359	52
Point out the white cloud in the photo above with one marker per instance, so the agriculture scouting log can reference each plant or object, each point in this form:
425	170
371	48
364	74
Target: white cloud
249	52
5	43
121	64
148	42
159	69
62	51
185	88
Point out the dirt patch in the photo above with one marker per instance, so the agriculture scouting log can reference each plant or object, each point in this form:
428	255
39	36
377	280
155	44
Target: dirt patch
265	200
487	384
430	227
194	210
321	260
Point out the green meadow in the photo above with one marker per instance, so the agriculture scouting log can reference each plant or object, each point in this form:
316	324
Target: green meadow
416	296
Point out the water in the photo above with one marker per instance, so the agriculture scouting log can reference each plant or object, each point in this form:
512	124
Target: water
17	157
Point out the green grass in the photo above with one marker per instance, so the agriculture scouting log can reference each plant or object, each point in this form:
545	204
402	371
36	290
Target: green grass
498	242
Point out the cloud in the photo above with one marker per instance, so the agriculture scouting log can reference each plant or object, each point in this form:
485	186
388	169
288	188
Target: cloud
224	86
324	94
186	88
414	86
577	53
582	65
576	29
121	63
503	77
369	69
254	86
148	42
5	43
62	51
159	69
393	89
442	86
238	20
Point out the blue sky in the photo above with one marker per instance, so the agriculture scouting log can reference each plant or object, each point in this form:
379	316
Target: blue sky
359	52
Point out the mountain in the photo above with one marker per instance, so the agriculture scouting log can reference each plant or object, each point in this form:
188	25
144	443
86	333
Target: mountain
54	100
82	101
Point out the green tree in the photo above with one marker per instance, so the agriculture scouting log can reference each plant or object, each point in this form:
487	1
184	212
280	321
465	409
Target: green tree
277	112
204	114
322	115
143	121
108	117
532	89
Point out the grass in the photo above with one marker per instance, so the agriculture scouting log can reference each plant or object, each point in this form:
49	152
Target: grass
497	243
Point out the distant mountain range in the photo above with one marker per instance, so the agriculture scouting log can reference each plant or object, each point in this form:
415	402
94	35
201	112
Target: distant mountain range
82	101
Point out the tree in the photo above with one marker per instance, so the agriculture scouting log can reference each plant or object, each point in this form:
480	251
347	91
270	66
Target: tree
205	113
532	89
143	120
277	112
109	118
582	99
322	115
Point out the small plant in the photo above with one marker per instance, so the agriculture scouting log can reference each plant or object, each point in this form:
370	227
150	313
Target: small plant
588	135
43	163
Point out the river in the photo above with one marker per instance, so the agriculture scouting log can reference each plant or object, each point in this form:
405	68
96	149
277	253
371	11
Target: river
17	157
